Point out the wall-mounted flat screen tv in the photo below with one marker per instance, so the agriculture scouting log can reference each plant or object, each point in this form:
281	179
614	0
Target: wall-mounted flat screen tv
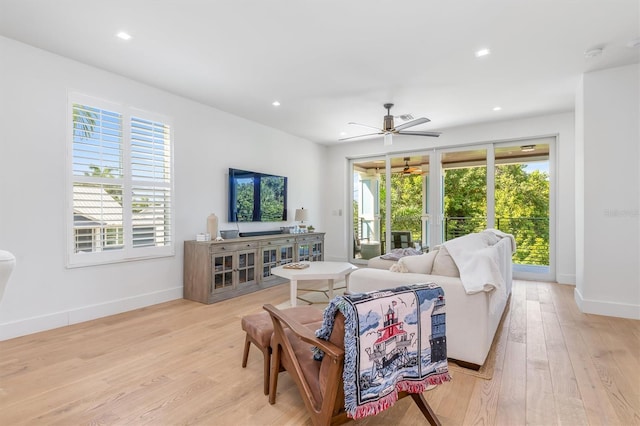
257	197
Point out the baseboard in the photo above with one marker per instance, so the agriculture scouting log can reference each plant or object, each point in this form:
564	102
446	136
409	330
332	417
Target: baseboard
32	325
609	309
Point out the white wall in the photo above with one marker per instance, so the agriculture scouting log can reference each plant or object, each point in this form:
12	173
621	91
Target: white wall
42	293
561	125
608	129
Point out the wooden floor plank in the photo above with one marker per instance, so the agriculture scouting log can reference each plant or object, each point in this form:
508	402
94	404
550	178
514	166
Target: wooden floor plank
484	398
179	363
541	406
512	400
570	409
518	306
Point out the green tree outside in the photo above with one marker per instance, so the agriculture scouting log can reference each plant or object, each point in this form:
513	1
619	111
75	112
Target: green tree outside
521	206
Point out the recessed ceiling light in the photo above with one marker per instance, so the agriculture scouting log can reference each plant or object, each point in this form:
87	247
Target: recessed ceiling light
275	103
497	108
343	133
124	36
482	52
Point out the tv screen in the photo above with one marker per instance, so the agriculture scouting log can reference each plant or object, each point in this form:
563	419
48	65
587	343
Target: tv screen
257	197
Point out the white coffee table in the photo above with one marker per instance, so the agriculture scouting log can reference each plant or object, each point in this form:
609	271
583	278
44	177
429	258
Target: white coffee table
329	271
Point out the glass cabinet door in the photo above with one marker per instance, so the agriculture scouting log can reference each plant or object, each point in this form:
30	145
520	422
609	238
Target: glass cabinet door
269	260
246	267
303	252
222	272
286	254
316	251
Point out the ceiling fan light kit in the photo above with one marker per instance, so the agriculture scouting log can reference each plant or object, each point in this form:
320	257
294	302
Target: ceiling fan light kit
410	170
389	128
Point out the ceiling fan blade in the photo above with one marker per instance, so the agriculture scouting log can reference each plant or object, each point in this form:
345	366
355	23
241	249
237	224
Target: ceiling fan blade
360	136
416	133
413	123
366	125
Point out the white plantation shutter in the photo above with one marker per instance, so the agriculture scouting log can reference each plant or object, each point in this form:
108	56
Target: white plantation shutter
151	183
121	192
97	140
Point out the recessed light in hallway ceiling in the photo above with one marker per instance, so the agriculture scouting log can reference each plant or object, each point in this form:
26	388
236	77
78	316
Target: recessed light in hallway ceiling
123	36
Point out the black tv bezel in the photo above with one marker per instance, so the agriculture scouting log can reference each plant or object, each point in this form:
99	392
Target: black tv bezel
232	212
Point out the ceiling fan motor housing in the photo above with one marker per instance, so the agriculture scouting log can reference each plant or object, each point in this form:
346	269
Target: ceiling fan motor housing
388	123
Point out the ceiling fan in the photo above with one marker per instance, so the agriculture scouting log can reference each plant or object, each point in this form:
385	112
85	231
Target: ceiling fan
410	170
389	129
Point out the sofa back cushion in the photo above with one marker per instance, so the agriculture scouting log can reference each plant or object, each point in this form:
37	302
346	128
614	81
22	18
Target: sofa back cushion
444	265
421	264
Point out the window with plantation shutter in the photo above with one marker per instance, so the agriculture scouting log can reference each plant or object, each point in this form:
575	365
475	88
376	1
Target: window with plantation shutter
121	183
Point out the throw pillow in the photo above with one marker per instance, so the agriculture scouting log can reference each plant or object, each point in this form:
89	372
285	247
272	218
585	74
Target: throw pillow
444	264
396	267
421	264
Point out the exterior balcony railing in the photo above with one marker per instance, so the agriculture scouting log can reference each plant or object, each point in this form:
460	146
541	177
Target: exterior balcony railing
531	235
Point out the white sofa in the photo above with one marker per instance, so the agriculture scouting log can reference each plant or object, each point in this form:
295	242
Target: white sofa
475	307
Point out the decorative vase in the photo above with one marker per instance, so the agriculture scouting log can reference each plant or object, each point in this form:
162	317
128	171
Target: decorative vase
212	225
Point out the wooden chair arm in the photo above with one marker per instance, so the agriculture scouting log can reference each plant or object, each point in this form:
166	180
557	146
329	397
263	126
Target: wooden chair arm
304	333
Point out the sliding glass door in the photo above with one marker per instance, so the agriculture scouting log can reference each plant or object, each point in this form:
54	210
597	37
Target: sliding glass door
403	200
390	204
464	192
523	204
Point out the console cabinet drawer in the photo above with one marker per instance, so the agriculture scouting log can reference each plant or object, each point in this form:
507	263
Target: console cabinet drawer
231	247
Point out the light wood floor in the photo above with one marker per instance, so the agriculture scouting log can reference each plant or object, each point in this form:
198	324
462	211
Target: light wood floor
179	363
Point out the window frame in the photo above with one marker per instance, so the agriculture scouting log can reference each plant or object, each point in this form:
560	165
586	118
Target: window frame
129	251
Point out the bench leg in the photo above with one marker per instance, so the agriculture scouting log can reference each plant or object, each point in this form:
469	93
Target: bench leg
245	354
266	353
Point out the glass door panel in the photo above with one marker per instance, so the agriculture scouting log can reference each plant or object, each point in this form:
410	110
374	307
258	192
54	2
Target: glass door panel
366	208
522	203
464	192
409	178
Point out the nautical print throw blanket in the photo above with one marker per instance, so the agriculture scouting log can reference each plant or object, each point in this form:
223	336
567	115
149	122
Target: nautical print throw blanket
394	341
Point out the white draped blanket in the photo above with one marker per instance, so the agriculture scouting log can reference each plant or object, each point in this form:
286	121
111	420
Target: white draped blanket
479	262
